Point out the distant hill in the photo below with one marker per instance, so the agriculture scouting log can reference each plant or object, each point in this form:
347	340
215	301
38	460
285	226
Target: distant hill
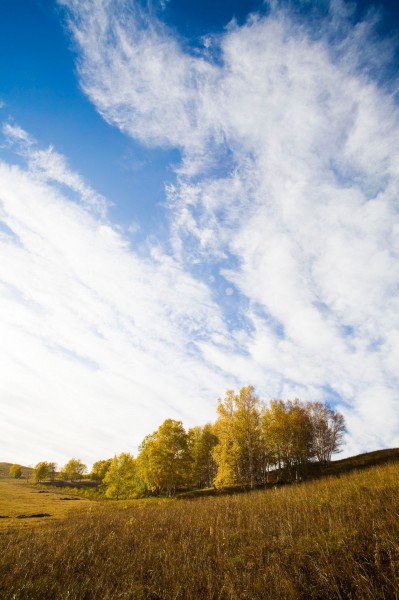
5	469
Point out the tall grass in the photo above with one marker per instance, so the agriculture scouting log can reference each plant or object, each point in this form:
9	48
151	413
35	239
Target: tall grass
334	538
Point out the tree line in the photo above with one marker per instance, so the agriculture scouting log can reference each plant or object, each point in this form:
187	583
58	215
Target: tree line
248	441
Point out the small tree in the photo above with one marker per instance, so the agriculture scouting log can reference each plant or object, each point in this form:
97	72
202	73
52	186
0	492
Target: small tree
41	471
16	471
164	461
328	428
100	469
287	435
120	479
73	470
202	440
52	470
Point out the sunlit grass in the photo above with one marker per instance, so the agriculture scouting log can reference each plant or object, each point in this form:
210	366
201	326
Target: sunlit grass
333	538
17	497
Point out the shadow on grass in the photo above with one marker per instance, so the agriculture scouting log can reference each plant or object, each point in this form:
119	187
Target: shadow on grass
312	471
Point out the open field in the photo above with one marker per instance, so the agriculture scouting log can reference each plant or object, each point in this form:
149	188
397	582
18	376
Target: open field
336	537
20	500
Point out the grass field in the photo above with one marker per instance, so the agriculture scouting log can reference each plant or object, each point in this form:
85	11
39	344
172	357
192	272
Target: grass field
20	500
336	537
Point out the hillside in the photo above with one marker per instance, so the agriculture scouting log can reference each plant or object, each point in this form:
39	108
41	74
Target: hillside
314	470
360	461
5	468
335	537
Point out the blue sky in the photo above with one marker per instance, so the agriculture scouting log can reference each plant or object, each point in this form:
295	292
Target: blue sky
195	197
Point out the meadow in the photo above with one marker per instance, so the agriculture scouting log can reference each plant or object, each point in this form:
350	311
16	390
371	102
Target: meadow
336	537
20	502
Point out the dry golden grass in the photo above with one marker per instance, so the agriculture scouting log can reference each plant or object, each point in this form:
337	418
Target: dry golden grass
17	497
333	538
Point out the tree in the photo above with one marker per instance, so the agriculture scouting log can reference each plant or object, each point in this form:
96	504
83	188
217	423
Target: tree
247	433
299	450
73	470
164	461
287	435
120	478
52	470
202	440
41	471
225	451
238	453
328	428
16	471
100	469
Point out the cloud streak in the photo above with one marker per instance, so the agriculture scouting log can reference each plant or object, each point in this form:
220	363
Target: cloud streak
286	195
288	187
98	342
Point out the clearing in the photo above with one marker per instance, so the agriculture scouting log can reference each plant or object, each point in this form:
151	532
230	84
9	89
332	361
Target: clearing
20	500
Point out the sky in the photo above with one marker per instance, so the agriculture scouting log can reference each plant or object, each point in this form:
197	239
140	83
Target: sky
195	197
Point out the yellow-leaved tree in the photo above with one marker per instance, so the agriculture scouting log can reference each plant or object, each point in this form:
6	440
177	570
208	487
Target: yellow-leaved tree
100	469
120	477
74	470
16	471
41	471
202	440
287	435
164	460
239	451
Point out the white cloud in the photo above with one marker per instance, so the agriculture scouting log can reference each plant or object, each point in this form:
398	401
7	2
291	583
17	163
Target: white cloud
301	215
49	165
99	345
17	134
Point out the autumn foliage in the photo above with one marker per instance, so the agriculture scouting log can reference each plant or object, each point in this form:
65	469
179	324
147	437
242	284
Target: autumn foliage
247	442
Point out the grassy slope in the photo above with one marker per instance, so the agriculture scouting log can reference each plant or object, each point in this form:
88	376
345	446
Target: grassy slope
361	461
314	471
325	539
17	497
5	468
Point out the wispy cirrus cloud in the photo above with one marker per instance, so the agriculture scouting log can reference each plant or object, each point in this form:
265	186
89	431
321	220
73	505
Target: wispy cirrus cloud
288	188
49	165
99	343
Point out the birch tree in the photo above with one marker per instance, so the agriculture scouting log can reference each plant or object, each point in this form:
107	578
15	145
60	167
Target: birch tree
120	477
164	461
328	428
238	453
